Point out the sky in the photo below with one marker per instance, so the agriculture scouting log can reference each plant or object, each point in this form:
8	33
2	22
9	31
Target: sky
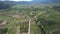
15	0
22	0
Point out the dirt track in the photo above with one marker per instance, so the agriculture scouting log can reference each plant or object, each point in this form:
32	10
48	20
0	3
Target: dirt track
24	33
4	22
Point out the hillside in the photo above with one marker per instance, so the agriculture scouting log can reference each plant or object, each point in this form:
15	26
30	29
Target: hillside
8	4
36	16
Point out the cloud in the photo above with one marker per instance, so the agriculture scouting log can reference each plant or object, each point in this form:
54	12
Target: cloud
15	0
21	0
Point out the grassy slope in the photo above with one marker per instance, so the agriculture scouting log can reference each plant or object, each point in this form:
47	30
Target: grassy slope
49	15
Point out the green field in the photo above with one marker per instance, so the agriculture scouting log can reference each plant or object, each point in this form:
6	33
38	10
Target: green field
17	22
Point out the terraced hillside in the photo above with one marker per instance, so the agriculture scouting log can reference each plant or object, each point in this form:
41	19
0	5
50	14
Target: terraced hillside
46	23
39	19
13	22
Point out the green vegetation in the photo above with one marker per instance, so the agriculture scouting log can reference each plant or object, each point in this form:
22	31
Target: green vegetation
17	19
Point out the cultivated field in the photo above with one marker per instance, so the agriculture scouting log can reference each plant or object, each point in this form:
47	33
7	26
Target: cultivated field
43	19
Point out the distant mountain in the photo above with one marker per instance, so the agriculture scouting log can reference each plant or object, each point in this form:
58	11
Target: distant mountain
46	1
8	4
